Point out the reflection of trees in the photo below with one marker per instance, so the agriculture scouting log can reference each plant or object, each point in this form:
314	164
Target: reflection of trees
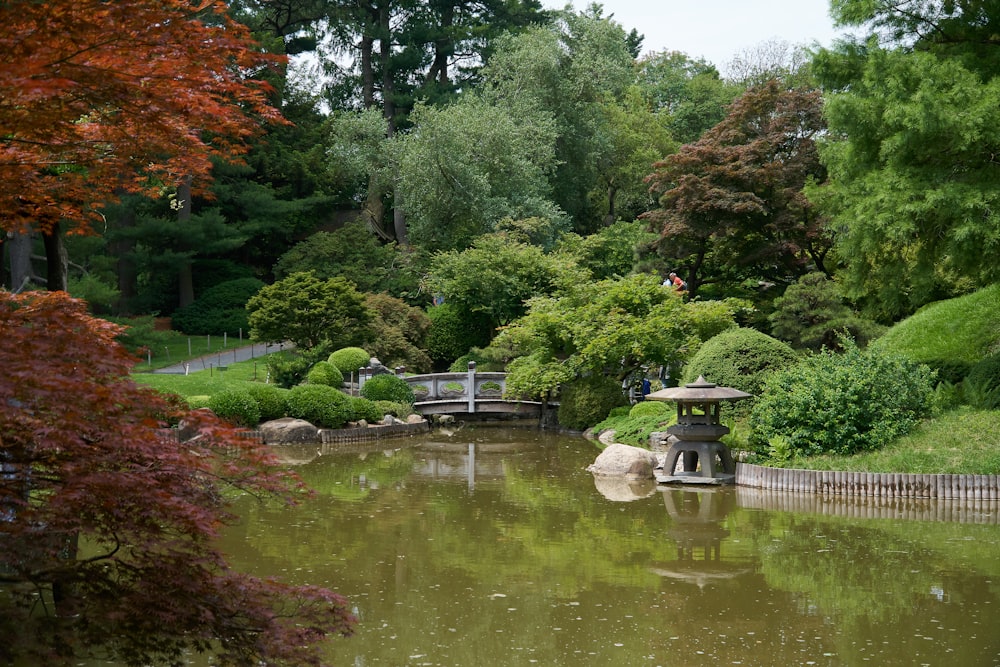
885	579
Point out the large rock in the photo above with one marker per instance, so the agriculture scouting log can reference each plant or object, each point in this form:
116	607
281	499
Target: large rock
287	430
619	459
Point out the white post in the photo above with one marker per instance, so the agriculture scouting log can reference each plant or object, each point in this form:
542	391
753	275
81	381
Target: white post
471	390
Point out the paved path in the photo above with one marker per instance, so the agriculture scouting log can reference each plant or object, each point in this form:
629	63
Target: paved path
225	357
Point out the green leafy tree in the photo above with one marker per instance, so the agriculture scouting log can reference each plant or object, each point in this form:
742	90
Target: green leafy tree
607	328
495	277
731	204
308	311
610	252
912	152
465	167
398	333
812	314
686	92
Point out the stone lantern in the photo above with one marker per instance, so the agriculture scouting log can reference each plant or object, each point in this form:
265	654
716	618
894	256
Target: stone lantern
698	429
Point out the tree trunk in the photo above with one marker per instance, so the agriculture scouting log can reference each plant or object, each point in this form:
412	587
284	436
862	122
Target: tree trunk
56	259
19	246
185	279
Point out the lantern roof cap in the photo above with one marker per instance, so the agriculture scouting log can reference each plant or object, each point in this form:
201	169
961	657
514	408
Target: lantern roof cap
698	391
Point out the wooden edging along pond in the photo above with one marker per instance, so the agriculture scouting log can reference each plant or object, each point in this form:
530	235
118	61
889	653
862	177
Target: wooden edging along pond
984	488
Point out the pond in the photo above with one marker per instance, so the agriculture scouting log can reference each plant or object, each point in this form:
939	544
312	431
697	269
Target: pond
493	546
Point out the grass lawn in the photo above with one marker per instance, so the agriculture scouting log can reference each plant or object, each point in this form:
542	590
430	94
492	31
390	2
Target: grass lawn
964	441
205	382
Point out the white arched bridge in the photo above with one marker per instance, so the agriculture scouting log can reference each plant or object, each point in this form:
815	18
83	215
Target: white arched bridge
468	393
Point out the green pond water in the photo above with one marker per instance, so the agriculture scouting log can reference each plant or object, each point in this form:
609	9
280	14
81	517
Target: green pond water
494	546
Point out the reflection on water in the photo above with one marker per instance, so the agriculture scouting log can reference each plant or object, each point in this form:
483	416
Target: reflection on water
496	547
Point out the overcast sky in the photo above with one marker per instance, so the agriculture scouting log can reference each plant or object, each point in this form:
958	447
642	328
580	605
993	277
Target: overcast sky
716	30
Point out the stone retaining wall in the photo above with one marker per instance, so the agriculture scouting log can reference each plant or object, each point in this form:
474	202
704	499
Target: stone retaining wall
982	488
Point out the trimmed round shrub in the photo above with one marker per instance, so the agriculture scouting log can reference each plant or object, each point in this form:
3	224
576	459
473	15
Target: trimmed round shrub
198	402
742	359
652	409
270	400
362	408
323	372
981	386
387	387
319	404
587	401
236	406
841	403
349	360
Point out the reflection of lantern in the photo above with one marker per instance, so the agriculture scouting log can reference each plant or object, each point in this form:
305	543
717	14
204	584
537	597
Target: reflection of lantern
698	430
696	527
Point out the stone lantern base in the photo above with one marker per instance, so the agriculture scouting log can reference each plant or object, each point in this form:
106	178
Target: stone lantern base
717	465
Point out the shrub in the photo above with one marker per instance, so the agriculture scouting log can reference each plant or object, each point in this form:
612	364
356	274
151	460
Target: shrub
841	403
362	408
349	360
323	372
652	409
982	385
220	309
236	406
398	410
587	401
270	400
454	332
387	387
198	402
319	404
291	368
742	359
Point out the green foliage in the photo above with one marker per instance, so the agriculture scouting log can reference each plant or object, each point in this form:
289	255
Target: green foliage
308	311
237	406
587	401
958	332
842	403
811	313
288	369
454	332
742	359
609	252
270	400
349	359
319	404
398	333
363	408
99	295
221	309
323	372
607	328
652	409
912	190
387	387
635	429
398	410
469	165
494	277
354	253
982	386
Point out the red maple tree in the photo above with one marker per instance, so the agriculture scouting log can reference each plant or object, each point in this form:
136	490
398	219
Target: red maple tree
97	98
108	517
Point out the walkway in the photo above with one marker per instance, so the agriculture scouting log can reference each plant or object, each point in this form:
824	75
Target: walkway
223	358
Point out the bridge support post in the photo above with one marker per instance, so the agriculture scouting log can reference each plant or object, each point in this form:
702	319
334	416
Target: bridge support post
471	388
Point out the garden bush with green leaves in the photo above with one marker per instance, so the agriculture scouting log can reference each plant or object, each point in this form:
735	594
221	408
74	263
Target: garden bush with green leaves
270	400
320	405
349	360
387	387
841	403
323	372
220	309
237	406
742	359
587	401
363	408
981	388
